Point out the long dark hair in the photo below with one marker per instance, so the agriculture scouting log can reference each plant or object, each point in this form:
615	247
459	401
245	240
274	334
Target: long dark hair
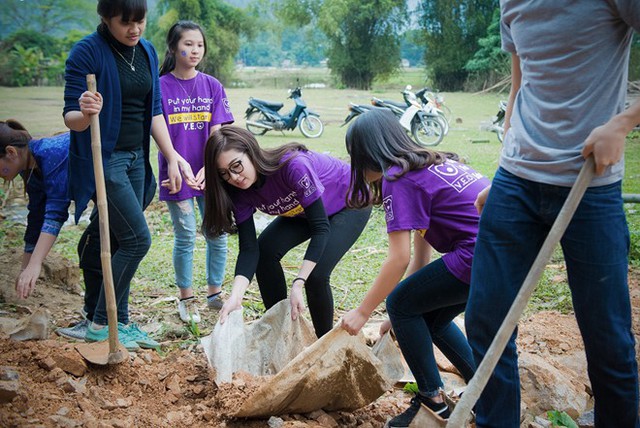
375	142
173	38
218	213
131	10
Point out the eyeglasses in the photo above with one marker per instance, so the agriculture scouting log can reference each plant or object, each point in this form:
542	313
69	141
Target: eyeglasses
235	167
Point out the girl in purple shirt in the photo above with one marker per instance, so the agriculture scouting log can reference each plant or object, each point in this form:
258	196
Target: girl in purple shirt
194	105
306	191
430	195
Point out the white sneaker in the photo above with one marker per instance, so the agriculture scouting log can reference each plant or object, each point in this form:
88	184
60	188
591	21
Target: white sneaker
188	310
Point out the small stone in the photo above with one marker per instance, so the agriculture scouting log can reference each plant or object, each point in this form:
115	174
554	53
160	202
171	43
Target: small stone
123	403
137	362
47	363
275	422
199	391
84	405
173	385
117	423
174	417
64	422
55	374
8	373
327	421
587	420
108	405
543	422
8	390
75	386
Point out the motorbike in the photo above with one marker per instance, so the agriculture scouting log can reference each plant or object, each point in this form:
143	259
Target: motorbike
425	127
262	116
355	110
498	123
431	103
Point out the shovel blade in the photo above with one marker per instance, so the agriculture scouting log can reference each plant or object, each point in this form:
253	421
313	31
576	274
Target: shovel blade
99	353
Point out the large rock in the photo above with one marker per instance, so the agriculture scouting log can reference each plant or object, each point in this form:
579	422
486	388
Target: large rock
547	385
337	372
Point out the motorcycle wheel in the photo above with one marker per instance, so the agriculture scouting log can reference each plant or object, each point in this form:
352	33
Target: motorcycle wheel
311	126
427	131
256	116
444	122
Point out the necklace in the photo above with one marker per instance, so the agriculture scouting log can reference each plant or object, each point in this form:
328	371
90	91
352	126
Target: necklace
193	88
31	169
130	64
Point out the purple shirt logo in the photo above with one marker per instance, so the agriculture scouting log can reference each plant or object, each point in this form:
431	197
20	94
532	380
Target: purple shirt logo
387	203
307	185
455	175
227	107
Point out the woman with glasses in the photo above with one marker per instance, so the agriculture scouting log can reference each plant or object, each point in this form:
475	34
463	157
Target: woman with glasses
306	191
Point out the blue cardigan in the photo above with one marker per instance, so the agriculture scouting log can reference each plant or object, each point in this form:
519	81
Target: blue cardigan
92	55
46	187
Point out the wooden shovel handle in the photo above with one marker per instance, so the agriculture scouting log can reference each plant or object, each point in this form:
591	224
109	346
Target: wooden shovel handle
103	217
471	394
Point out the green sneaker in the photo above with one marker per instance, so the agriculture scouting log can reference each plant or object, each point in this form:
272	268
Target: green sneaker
141	337
94	335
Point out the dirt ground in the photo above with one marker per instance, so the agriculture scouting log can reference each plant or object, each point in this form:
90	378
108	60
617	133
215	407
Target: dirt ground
174	387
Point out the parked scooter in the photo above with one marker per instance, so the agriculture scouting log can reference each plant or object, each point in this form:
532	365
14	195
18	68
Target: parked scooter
263	116
431	103
498	123
355	110
425	127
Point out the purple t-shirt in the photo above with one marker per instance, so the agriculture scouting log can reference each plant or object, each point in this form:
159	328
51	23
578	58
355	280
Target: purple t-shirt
438	203
191	107
307	177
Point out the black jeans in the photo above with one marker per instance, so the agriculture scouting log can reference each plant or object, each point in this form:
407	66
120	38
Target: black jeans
285	233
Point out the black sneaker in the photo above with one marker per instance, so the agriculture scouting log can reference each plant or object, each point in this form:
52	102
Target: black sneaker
404	419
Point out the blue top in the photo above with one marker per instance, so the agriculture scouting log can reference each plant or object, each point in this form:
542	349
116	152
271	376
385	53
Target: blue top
93	55
47	188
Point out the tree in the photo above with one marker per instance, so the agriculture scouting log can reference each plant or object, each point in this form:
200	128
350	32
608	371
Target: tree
490	63
223	24
363	41
51	17
276	41
452	29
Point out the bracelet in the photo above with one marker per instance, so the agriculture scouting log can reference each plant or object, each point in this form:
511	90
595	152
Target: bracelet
299	279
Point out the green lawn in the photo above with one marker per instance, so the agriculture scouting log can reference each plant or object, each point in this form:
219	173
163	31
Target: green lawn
40	110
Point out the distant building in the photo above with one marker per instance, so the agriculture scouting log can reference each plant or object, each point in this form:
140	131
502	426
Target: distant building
404	63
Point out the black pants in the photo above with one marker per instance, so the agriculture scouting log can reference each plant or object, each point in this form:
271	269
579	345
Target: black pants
285	233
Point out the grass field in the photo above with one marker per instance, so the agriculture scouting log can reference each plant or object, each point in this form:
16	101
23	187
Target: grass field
40	110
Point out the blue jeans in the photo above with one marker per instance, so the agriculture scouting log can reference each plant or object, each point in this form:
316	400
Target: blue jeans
421	309
514	224
124	176
183	216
